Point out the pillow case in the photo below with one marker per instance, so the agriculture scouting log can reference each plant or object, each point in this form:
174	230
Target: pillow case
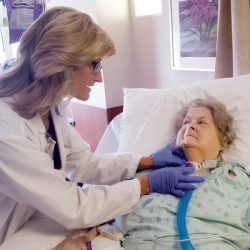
149	115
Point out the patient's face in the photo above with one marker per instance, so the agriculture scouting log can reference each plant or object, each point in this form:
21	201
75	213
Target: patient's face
199	132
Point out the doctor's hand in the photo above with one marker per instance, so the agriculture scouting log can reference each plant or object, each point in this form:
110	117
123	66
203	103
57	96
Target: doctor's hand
168	156
77	240
174	181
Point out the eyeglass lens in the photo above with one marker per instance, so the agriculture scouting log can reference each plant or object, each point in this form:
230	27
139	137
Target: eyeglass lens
97	66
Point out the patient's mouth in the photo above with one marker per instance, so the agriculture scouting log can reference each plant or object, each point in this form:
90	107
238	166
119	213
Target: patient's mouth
185	140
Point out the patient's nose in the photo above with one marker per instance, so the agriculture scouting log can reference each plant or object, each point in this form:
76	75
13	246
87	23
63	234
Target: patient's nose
191	126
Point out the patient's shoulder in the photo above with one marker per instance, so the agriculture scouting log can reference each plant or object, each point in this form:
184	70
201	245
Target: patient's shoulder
234	167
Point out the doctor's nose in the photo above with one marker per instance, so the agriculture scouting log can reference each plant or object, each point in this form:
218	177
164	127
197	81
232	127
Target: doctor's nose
98	77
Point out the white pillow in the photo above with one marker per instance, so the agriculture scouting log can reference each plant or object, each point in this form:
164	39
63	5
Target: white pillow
149	115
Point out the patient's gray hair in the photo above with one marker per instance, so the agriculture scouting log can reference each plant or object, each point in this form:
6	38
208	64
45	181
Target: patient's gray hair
222	119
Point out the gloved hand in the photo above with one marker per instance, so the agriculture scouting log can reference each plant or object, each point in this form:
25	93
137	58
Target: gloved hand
173	181
168	156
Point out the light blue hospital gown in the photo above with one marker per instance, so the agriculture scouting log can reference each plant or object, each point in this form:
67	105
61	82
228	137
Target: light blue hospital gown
218	215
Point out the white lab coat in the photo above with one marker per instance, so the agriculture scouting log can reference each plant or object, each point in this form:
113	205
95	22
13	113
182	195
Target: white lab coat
29	182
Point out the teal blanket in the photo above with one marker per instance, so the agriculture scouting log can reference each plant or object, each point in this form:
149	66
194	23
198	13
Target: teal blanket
218	215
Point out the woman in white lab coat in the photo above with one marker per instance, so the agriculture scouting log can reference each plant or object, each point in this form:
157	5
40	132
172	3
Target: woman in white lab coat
60	57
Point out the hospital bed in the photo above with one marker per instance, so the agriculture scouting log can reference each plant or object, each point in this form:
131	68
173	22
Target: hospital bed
146	124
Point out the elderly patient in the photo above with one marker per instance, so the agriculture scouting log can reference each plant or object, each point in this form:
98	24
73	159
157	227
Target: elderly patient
218	215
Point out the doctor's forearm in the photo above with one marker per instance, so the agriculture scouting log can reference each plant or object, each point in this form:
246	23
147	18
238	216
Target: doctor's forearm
145	163
144	184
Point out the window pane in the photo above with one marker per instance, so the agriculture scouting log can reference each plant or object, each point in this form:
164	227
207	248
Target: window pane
147	7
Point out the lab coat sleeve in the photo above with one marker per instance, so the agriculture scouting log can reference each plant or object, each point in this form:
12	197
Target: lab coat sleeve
84	166
27	176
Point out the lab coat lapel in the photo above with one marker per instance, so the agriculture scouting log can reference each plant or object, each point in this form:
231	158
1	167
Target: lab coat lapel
35	124
36	131
58	122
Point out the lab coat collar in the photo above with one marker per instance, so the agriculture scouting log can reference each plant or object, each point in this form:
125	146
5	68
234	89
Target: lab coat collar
57	114
58	110
36	122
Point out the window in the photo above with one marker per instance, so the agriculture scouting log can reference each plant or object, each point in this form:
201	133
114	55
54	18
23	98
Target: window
147	7
7	51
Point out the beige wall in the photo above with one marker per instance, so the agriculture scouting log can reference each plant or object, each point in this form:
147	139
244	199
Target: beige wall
87	6
119	70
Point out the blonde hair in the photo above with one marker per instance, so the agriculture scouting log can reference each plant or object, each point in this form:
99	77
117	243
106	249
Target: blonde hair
222	119
59	41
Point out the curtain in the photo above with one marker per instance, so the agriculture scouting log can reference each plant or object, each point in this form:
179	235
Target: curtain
233	39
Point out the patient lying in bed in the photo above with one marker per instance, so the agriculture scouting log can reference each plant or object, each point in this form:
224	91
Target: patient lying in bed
218	215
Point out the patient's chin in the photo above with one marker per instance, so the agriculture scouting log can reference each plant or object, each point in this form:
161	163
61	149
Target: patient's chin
189	144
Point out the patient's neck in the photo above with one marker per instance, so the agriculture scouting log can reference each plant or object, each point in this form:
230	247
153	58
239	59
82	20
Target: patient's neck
193	154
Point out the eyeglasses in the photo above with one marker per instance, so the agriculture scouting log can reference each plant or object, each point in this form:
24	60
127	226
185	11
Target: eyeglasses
97	66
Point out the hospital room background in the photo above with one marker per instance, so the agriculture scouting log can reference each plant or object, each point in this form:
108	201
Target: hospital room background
146	81
144	57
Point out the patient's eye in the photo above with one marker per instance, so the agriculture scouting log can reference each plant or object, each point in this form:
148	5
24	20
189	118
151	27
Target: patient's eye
186	122
202	122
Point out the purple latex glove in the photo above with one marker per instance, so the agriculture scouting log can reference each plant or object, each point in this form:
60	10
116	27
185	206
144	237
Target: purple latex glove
173	181
168	156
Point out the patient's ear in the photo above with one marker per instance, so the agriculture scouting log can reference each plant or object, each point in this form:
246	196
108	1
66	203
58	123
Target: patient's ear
221	150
